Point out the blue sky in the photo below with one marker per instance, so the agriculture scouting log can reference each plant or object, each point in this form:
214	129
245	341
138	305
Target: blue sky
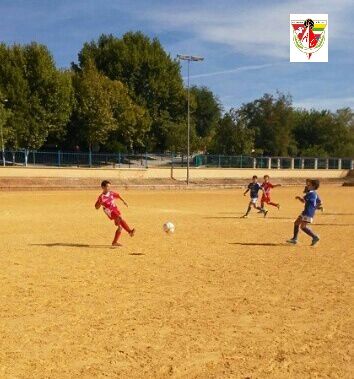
245	43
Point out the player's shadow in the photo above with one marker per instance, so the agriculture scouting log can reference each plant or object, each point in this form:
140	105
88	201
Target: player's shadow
81	245
258	244
222	217
231	213
260	216
280	218
336	214
315	224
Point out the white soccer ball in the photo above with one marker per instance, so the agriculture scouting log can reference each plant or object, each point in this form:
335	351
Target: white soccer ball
168	227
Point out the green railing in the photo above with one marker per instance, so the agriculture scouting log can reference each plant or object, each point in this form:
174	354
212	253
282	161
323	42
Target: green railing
32	158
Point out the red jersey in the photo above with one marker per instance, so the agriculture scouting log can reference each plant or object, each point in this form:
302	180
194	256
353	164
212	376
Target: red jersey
107	200
267	187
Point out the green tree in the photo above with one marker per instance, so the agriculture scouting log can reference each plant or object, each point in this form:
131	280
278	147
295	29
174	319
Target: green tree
93	114
323	133
177	137
153	79
233	136
132	121
4	115
104	111
206	114
39	96
271	118
345	117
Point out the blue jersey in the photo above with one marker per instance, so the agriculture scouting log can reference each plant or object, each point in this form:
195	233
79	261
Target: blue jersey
312	200
254	189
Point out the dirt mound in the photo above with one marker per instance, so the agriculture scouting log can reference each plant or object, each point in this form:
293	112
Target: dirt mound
349	180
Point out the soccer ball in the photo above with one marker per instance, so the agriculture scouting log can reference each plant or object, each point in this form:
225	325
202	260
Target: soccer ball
168	227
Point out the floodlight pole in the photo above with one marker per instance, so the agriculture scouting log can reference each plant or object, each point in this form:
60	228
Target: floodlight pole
188	58
189	125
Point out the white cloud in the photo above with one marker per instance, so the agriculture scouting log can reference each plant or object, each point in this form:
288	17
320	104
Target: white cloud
231	71
261	29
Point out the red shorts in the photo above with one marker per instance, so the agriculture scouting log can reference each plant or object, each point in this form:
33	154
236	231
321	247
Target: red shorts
112	214
265	199
115	214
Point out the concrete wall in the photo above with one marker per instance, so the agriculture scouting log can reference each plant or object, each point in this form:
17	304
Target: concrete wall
164	173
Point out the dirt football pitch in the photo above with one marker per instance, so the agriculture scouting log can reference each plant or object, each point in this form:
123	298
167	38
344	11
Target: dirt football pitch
222	297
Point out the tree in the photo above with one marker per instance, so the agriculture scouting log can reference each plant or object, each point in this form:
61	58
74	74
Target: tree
206	114
104	110
271	119
232	135
4	115
323	133
177	137
93	114
39	96
127	94
153	79
345	116
132	121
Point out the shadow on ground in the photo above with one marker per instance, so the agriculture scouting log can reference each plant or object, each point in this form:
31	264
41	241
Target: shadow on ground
251	216
56	244
80	245
315	224
336	214
258	244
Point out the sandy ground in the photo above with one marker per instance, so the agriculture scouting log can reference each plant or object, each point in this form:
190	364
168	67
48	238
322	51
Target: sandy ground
223	297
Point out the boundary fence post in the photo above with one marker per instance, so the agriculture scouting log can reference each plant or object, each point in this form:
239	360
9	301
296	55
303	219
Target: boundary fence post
26	158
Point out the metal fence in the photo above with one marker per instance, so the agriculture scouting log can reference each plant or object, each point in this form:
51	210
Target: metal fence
273	162
119	160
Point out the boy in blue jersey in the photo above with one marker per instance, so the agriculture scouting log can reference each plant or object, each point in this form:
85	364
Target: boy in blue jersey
311	200
319	201
254	187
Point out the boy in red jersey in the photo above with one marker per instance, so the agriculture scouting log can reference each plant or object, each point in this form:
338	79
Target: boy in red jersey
267	186
107	201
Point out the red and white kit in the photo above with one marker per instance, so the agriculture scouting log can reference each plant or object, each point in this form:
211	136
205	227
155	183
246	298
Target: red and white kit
266	195
107	200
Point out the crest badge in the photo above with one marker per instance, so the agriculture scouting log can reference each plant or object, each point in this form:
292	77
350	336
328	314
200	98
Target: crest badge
309	38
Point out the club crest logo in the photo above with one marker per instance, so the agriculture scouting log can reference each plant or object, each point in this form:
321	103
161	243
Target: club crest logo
308	38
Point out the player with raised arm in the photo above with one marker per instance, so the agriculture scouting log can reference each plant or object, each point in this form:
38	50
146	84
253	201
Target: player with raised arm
311	201
319	205
267	186
107	201
254	187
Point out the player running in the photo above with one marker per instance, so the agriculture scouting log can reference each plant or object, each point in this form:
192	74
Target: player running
319	205
107	201
267	186
254	187
311	199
